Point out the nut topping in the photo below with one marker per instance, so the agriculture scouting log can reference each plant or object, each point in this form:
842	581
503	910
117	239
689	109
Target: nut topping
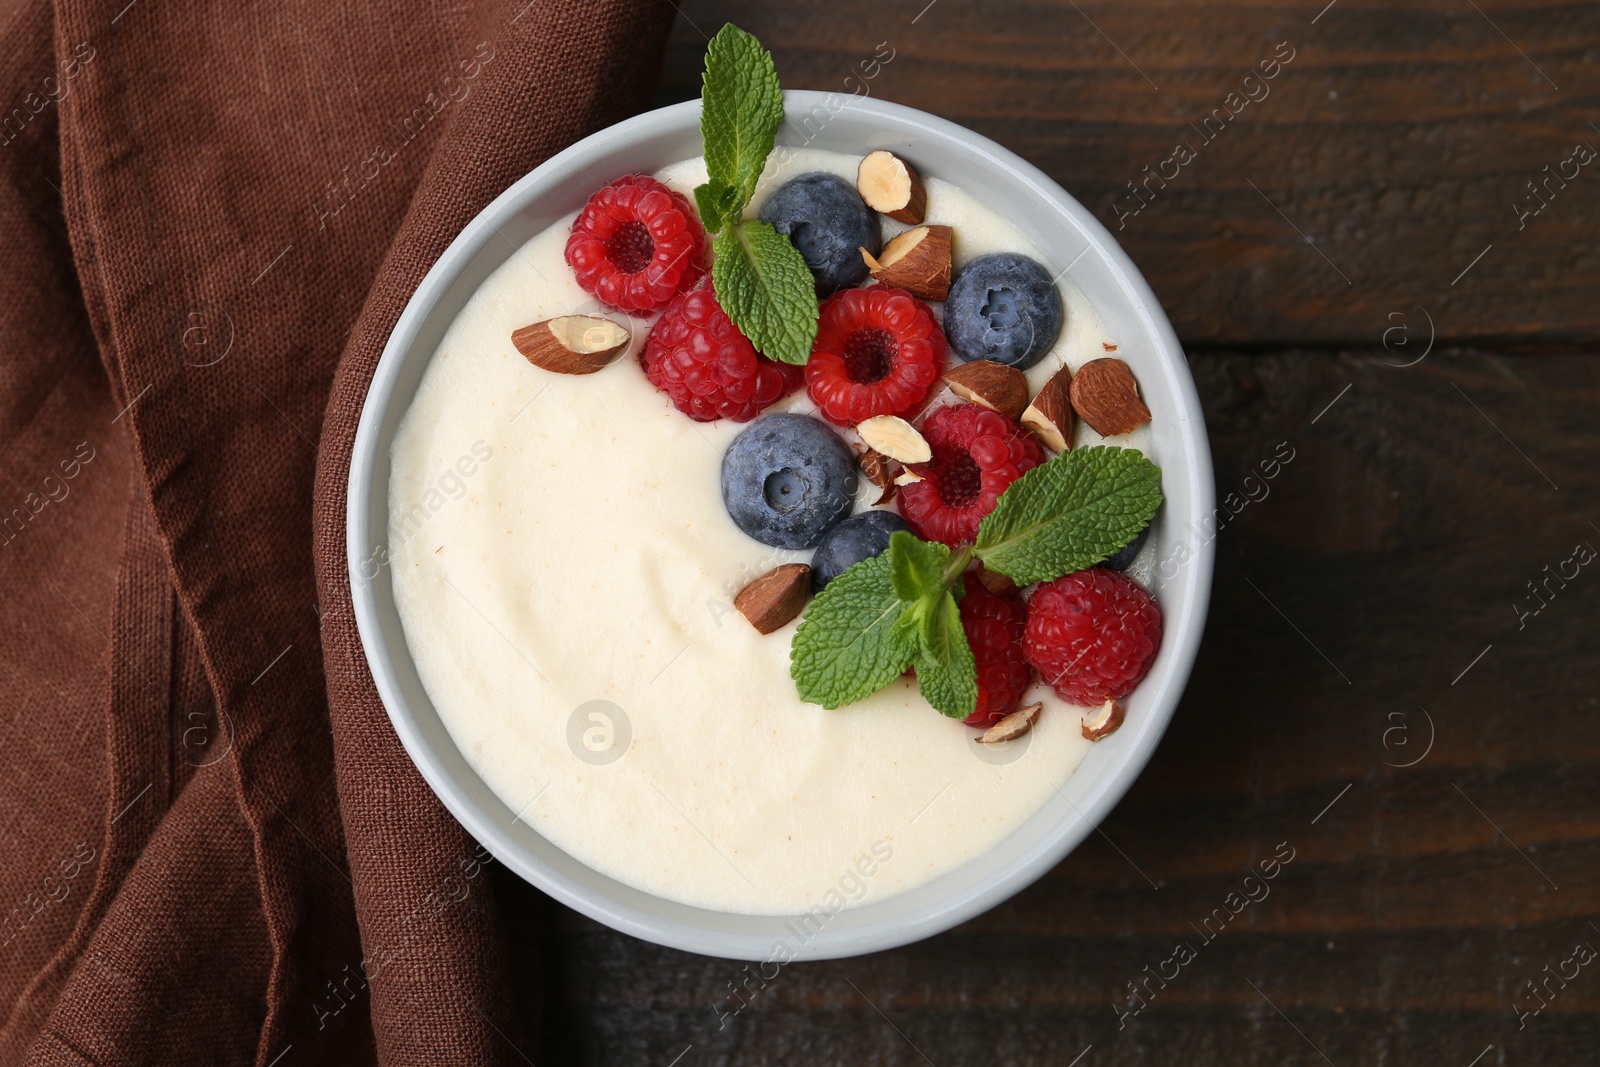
889	184
776	598
1106	396
997	583
1012	726
571	344
1103	721
880	471
896	438
1049	416
996	386
917	261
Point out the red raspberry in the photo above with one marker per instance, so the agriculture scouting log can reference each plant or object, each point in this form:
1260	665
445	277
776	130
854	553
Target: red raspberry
636	244
1092	635
994	626
977	454
698	357
877	352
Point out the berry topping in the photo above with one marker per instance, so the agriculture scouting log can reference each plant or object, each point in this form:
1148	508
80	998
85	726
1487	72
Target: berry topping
787	479
977	454
1123	558
1092	635
994	625
698	357
829	223
1003	307
636	244
857	538
877	352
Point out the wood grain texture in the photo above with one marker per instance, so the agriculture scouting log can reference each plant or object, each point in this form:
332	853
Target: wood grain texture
1398	139
1385	558
1374	691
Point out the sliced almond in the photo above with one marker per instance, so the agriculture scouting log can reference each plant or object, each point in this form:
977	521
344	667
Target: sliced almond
996	386
891	185
1106	396
1103	721
1108	346
896	438
571	344
774	599
907	477
1012	726
917	261
880	471
1049	416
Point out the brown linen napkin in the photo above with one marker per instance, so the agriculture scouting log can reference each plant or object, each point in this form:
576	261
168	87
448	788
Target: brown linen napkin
210	218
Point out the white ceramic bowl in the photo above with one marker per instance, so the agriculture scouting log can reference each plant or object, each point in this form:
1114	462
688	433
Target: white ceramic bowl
1074	242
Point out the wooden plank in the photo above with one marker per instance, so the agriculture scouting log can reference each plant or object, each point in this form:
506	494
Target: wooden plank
1389	551
1398	140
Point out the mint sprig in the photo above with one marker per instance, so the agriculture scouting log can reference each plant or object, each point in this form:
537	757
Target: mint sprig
883	615
947	674
901	609
741	108
758	271
850	643
916	567
1069	513
759	277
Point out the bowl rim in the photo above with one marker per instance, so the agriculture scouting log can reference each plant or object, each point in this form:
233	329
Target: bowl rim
1181	637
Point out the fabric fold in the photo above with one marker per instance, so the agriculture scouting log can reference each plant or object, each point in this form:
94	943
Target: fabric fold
221	212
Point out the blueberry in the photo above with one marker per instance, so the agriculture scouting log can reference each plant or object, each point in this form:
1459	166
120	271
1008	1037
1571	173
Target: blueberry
1122	559
829	223
1003	307
857	538
787	479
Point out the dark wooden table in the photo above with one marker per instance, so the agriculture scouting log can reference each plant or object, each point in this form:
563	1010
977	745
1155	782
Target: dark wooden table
1375	688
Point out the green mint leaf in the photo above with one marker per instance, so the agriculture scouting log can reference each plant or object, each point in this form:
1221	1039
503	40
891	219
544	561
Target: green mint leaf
715	201
947	675
931	623
1069	513
885	614
764	285
916	567
741	108
760	280
849	645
